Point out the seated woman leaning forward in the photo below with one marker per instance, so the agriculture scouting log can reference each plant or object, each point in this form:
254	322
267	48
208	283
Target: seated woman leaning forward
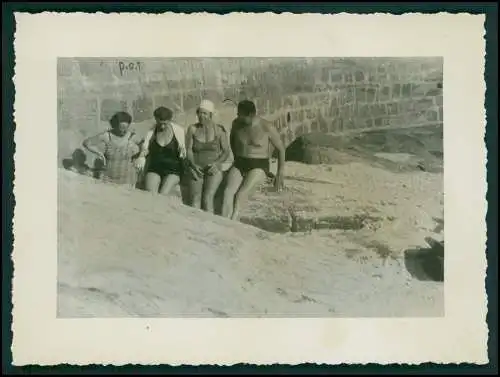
117	148
207	148
250	138
164	147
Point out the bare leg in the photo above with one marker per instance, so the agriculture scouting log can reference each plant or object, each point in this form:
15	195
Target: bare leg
212	183
250	183
169	183
195	191
234	179
153	181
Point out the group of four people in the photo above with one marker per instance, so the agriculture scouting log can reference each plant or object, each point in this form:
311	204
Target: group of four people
169	153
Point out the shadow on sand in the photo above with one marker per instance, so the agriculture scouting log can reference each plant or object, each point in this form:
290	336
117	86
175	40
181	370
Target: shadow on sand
426	264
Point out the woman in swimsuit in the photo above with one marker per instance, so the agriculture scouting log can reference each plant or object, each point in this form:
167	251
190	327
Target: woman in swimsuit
164	148
117	148
251	139
207	149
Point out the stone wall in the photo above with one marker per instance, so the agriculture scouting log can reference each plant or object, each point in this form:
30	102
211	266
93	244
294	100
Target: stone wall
299	95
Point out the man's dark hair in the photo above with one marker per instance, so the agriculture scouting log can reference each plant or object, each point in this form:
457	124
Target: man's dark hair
246	108
120	117
163	113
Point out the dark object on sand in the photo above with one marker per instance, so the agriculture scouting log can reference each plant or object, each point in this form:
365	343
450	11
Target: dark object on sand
77	162
426	263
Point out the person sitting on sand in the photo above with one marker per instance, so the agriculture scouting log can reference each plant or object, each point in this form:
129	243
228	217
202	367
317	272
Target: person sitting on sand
117	149
250	140
164	148
207	148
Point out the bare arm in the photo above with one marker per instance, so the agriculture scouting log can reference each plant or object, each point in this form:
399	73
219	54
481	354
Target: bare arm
94	144
224	144
189	145
144	145
232	138
275	139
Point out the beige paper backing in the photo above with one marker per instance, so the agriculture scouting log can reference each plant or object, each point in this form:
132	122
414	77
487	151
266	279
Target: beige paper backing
40	338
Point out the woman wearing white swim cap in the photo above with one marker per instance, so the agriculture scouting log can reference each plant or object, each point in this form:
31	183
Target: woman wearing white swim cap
207	148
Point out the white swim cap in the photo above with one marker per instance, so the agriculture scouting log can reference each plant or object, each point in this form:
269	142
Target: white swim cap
207	105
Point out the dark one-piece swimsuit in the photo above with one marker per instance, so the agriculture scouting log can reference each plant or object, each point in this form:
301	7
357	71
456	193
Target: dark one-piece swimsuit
164	160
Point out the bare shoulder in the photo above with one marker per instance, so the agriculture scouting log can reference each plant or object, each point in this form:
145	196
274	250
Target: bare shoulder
221	129
235	125
135	137
191	128
101	136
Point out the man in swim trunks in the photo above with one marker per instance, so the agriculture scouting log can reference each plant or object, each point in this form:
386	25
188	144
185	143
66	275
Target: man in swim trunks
250	139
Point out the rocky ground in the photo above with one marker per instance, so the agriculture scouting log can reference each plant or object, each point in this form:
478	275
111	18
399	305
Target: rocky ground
345	239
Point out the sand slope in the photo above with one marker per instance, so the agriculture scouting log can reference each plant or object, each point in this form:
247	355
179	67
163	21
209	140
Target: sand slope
127	253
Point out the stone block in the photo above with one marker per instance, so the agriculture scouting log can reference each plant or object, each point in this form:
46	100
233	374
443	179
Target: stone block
364	111
325	74
371	95
369	123
406	90
392	108
438	100
90	68
300	116
190	100
396	90
359	76
65	67
260	105
164	100
310	114
314	126
385	94
423	104
288	101
323	125
378	110
153	86
361	95
336	77
334	101
440	113
229	93
303	100
378	122
414	88
349	124
142	108
278	102
432	115
340	124
110	106
349	95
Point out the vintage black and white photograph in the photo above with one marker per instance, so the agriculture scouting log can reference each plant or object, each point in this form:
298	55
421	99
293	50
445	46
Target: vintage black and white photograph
250	187
189	191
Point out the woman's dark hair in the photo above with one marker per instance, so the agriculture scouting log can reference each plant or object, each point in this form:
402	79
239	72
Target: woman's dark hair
120	117
246	107
163	113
